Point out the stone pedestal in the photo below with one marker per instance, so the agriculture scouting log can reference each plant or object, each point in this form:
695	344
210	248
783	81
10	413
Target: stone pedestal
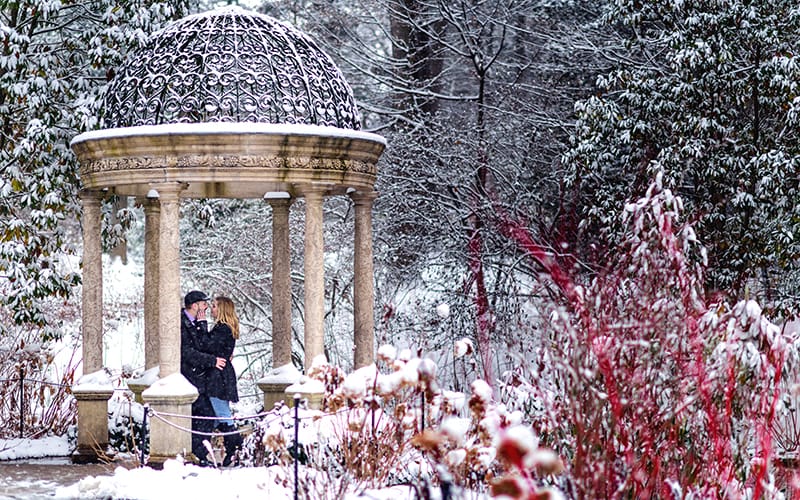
92	424
273	394
274	385
309	389
140	384
175	395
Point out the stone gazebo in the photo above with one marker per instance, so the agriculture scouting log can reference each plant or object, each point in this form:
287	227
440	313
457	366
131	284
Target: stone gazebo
225	104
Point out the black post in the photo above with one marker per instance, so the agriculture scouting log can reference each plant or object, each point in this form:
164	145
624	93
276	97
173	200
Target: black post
422	408
21	400
296	444
144	435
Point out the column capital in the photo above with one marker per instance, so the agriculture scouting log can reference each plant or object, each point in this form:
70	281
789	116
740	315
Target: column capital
90	196
318	189
160	190
280	202
149	205
363	197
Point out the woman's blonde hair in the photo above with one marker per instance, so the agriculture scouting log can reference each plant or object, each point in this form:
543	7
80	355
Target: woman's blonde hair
226	313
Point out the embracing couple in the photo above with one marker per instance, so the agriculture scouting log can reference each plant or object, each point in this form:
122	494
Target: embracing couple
206	363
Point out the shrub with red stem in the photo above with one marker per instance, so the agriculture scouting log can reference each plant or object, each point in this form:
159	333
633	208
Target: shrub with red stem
655	391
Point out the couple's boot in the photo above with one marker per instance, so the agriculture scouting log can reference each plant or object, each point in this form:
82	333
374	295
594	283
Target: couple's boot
233	443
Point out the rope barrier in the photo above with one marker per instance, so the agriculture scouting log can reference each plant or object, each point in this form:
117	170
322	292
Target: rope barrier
161	416
178	415
257	415
156	414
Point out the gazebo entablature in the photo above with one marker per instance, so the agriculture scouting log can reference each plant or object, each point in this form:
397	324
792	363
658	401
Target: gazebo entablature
225	104
228	160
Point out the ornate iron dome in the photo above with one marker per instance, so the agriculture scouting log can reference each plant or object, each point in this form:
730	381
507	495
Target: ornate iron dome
230	65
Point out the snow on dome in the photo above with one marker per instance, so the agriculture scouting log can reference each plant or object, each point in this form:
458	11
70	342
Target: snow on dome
229	65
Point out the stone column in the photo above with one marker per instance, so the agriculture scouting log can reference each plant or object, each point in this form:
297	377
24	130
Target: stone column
92	400
169	279
281	284
363	291
152	230
314	282
172	393
92	291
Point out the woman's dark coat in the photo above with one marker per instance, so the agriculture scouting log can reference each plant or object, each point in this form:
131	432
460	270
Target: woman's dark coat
221	383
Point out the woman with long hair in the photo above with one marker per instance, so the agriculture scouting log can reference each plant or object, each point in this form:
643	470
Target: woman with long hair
221	384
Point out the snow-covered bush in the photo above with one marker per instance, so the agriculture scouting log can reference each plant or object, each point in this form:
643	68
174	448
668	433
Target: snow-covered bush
391	423
649	388
34	390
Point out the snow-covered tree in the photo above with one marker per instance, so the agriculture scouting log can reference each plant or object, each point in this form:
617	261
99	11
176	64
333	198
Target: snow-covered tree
707	92
475	101
55	61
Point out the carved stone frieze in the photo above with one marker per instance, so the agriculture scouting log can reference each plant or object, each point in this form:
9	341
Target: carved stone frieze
113	164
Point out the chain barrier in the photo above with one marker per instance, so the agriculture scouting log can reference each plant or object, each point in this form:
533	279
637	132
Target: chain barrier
296	446
55	384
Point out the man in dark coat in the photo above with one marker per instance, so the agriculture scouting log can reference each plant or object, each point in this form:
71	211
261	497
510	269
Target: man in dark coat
195	366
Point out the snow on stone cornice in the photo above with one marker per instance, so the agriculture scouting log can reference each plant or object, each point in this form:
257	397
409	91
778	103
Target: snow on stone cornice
171	385
232	128
95	381
286	374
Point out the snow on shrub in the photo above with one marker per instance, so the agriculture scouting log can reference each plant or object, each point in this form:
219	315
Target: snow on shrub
650	388
391	423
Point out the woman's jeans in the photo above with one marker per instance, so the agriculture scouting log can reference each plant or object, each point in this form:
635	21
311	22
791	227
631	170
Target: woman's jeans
222	409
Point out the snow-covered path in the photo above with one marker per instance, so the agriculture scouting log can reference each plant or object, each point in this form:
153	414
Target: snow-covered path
39	478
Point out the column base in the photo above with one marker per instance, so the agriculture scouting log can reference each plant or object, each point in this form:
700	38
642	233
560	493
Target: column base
274	394
92	455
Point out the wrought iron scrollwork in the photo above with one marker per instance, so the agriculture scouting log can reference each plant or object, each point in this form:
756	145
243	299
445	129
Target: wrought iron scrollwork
230	65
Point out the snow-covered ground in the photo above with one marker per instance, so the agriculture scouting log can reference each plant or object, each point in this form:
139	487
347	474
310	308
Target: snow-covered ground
180	480
176	480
